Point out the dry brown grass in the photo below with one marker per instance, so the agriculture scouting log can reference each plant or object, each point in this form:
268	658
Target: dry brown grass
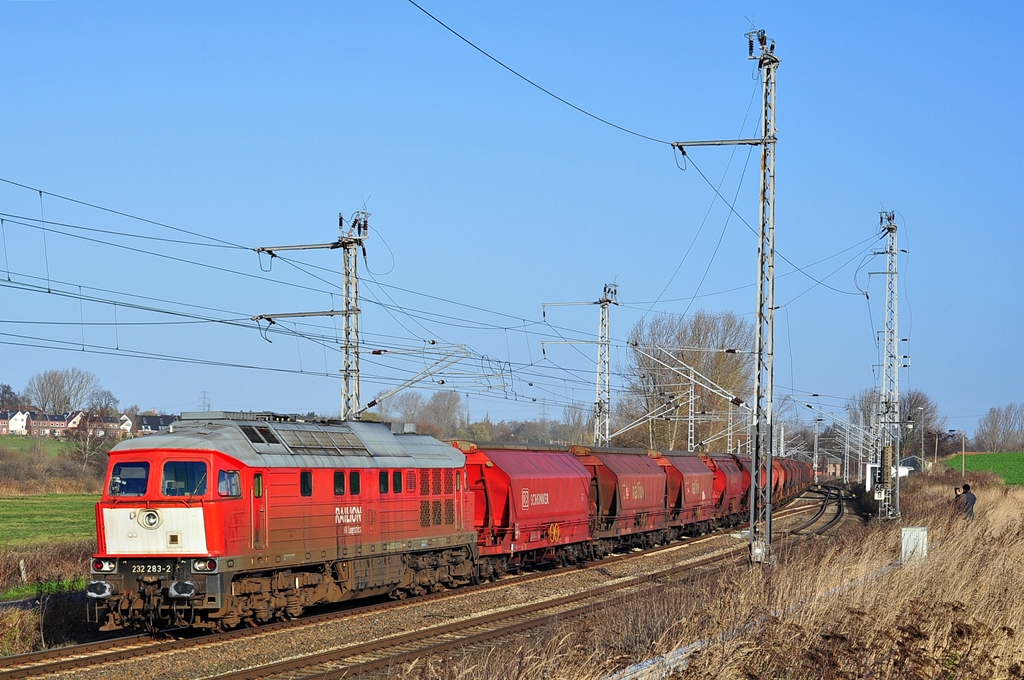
44	563
50	618
55	621
43	468
839	607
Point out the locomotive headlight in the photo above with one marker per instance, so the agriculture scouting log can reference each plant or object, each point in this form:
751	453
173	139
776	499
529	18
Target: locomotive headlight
204	565
103	566
149	519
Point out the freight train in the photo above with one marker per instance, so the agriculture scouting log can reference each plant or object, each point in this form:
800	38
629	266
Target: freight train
241	518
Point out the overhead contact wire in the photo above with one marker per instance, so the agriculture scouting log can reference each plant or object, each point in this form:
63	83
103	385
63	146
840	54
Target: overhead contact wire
542	89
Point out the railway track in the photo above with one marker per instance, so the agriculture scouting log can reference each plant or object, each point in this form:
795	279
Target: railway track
832	495
499	623
382	654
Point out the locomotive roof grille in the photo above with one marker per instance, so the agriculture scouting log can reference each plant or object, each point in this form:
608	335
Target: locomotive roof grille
279	441
313	439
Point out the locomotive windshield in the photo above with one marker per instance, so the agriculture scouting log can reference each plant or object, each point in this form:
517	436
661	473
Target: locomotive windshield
129	479
184	478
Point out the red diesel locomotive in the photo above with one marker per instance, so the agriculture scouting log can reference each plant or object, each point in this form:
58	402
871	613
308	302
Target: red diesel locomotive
246	517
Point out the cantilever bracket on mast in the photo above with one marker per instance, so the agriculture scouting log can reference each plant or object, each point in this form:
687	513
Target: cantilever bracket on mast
757	141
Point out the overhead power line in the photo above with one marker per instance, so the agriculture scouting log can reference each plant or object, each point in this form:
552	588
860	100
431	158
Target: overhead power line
122	214
542	89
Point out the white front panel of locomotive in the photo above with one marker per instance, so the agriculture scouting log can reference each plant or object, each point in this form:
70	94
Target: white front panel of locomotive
158	531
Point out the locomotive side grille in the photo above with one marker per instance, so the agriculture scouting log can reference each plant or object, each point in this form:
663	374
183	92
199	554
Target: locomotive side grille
449	481
435	477
410	483
424	513
449	511
435	514
424	482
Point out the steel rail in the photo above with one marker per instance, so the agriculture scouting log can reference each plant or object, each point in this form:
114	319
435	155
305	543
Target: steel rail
390	651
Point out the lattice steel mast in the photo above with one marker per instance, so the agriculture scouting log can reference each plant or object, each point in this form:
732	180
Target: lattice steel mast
351	243
602	405
889	411
603	400
764	339
764	376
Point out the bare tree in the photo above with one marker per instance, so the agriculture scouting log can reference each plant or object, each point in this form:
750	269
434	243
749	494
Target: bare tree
865	405
88	439
408	406
717	346
385	405
922	412
445	411
61	391
576	423
103	402
1001	429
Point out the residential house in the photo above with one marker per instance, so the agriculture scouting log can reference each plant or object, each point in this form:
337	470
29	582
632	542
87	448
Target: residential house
19	423
151	424
48	424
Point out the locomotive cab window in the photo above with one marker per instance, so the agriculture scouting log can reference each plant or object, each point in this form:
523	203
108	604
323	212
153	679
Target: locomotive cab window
184	478
396	481
257	485
339	483
353	482
306	482
129	479
229	483
383	482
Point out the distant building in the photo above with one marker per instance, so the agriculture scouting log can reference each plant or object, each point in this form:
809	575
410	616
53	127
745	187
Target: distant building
39	424
151	424
48	424
18	423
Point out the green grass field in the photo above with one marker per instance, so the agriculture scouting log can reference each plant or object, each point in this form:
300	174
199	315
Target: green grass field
1009	466
20	444
49	518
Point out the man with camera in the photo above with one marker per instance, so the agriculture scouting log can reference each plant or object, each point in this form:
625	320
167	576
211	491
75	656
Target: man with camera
964	501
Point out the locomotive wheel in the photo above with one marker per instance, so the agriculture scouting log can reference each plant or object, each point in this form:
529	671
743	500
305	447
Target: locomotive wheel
151	625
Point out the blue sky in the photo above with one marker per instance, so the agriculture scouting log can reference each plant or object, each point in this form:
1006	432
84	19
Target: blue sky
256	124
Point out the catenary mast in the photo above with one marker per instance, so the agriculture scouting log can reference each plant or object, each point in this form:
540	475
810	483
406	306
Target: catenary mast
889	407
764	375
351	243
